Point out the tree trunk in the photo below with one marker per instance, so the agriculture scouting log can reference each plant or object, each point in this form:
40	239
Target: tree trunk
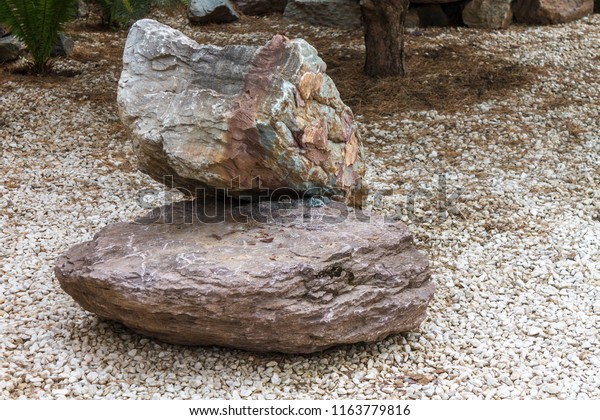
384	36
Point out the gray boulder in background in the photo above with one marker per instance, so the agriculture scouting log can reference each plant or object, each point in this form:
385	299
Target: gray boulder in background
10	49
211	11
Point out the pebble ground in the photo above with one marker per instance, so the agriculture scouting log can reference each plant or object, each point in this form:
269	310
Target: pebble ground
505	201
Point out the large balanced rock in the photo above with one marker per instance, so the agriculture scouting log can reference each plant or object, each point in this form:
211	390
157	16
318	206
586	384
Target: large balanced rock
547	12
335	13
211	11
488	14
268	277
219	118
260	7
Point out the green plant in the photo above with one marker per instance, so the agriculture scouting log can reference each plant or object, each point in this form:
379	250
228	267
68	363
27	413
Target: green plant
121	12
37	23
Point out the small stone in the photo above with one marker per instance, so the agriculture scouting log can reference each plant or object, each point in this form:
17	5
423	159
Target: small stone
551	389
504	392
245	392
92	377
534	331
275	379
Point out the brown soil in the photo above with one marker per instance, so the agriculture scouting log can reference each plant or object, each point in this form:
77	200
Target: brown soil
439	77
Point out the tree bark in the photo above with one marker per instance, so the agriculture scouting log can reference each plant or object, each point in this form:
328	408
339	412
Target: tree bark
384	36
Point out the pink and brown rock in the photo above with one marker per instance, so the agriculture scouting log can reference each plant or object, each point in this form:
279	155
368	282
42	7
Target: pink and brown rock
547	12
275	276
206	117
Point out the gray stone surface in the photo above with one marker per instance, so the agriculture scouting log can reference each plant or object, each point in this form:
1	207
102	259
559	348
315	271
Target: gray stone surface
10	49
488	14
292	279
219	118
211	11
335	13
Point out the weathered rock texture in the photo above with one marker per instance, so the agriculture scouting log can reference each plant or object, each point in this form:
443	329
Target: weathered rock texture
546	12
214	117
489	14
294	280
335	13
211	11
260	7
10	48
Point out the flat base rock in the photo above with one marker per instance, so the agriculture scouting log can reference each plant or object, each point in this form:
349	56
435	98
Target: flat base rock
291	277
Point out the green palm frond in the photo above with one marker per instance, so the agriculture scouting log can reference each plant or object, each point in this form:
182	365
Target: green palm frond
37	23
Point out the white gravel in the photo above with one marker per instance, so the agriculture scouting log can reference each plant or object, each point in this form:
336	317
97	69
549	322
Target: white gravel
516	257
